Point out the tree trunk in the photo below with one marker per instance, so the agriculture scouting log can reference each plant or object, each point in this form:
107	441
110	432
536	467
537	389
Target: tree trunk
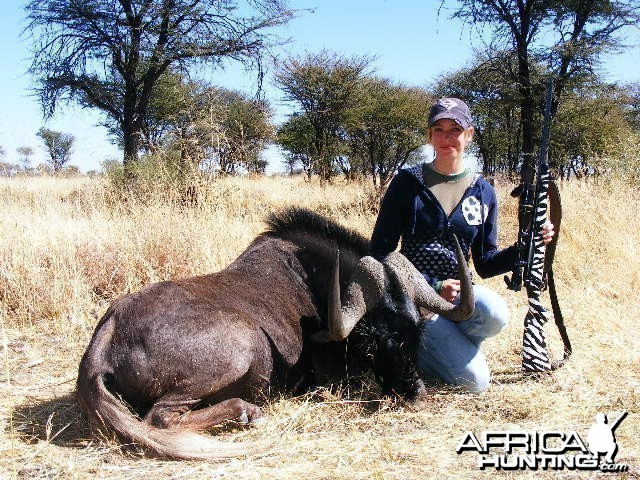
130	140
131	130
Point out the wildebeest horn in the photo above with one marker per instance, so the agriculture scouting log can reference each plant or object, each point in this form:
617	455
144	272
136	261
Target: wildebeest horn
366	287
363	292
416	287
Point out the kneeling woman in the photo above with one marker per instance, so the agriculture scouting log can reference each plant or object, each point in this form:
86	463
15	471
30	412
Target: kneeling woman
424	205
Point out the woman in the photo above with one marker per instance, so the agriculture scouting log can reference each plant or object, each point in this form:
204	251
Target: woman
424	205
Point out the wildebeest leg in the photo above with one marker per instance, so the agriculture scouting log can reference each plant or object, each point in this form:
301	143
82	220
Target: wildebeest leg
166	413
419	399
212	393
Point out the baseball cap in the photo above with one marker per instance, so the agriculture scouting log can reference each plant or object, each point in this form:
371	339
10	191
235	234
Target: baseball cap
453	109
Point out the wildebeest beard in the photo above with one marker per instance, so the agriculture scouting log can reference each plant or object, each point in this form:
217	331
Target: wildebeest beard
389	338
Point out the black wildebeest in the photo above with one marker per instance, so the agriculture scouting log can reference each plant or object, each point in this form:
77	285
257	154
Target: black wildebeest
189	354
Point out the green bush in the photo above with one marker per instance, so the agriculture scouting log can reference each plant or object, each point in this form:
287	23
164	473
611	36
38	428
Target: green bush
159	176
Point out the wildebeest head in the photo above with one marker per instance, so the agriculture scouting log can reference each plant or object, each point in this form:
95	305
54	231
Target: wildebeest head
397	286
389	295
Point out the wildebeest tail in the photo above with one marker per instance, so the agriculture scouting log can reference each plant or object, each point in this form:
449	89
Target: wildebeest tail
104	409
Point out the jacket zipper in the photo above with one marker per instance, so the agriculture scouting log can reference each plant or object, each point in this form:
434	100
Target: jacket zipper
437	202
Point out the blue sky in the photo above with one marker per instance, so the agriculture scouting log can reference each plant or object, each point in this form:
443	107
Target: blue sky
411	44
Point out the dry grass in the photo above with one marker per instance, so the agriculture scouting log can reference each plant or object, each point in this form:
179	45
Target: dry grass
66	251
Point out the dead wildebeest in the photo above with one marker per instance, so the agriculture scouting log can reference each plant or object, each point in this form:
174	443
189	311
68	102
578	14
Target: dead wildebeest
189	354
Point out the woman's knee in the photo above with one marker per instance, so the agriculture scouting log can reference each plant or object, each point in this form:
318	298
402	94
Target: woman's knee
491	312
473	375
475	378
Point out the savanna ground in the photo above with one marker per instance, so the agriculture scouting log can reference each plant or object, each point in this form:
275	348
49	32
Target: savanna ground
67	249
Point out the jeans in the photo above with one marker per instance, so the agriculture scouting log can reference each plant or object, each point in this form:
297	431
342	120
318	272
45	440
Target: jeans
451	350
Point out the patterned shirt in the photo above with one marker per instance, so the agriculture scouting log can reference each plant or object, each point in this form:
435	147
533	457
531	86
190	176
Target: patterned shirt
411	211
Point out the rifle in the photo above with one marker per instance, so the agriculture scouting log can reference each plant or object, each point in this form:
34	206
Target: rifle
533	266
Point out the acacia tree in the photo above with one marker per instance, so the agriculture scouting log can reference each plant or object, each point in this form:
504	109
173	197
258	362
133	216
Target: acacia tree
633	105
323	86
582	29
232	129
202	122
24	154
109	54
296	136
592	126
591	130
58	146
247	128
172	100
210	127
386	127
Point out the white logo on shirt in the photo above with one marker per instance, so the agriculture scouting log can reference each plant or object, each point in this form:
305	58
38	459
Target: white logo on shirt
471	210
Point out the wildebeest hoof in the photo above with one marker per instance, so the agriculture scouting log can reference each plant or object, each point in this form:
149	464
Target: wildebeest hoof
419	402
243	418
251	415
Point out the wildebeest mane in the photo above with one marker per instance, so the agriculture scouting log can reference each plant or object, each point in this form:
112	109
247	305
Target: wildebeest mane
294	220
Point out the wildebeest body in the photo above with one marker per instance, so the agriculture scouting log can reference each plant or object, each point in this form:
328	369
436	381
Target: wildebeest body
176	346
189	354
179	337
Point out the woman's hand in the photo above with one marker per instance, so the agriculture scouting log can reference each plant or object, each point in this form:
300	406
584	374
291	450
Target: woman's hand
547	232
450	289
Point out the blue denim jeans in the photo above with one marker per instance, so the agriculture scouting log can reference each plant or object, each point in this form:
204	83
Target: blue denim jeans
451	350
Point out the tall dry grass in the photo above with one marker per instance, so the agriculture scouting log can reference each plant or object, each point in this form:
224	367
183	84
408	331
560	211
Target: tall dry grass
68	248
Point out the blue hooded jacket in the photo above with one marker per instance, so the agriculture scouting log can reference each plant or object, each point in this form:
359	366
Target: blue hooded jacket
411	211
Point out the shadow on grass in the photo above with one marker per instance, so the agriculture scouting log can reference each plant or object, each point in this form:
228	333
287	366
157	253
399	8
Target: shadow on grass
57	421
60	422
515	376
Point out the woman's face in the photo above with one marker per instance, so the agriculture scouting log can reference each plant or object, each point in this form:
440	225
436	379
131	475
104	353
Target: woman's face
449	139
